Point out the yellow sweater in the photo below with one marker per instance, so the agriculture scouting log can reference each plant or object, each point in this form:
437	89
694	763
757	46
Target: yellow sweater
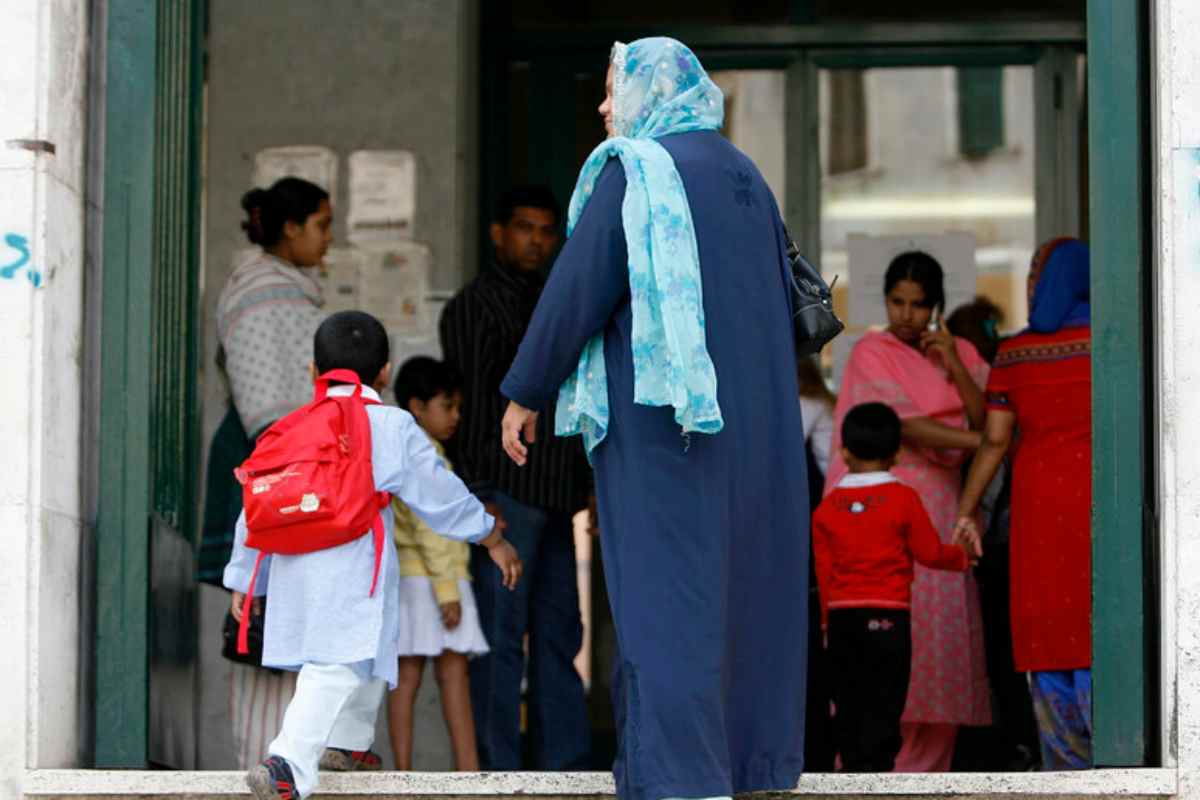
424	554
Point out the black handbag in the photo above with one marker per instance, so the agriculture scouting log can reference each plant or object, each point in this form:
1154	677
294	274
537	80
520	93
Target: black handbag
814	324
254	640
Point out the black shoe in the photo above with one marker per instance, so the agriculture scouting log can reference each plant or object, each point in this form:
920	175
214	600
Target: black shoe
272	780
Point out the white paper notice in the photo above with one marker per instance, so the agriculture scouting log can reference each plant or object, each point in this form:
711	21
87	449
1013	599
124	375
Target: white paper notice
339	278
383	194
868	258
315	164
393	282
427	342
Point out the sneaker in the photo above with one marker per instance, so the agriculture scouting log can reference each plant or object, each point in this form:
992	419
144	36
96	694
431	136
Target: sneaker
272	780
335	759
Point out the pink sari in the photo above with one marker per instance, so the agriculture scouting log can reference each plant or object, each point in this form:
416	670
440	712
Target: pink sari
949	675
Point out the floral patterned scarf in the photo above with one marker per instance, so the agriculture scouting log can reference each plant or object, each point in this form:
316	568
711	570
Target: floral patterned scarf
659	88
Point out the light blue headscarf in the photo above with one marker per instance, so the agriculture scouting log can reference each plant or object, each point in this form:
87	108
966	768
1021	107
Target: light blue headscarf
659	88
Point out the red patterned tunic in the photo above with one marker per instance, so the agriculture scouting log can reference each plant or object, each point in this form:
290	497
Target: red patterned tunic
1045	379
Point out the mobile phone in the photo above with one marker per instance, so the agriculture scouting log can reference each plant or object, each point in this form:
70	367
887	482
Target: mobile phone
935	322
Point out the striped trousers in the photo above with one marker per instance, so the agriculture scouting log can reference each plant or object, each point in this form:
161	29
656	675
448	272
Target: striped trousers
257	700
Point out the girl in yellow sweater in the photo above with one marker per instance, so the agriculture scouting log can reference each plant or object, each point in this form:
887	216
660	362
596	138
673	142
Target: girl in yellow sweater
438	618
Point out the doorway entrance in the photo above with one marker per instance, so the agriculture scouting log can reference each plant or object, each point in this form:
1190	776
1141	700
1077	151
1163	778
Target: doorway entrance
1012	100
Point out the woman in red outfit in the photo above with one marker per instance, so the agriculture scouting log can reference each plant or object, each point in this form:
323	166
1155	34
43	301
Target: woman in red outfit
1039	395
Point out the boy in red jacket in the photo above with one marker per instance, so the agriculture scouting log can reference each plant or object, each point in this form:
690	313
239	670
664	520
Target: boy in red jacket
866	534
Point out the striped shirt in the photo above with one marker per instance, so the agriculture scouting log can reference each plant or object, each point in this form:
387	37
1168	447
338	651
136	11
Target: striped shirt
481	330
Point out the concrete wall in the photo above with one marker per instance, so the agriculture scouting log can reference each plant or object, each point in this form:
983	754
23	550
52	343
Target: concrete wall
1176	97
43	92
377	74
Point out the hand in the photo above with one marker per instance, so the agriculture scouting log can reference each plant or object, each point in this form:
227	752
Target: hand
941	342
236	602
966	535
451	614
518	420
505	557
593	517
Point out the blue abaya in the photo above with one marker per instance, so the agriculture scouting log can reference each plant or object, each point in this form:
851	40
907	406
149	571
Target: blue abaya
704	538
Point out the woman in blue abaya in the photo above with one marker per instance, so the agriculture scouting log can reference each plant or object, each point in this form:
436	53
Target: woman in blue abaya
665	331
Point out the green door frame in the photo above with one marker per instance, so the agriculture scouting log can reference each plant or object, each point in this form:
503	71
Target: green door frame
149	305
122	665
1124	545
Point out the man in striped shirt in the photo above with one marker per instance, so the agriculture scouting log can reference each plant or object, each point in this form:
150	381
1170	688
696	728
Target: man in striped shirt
481	329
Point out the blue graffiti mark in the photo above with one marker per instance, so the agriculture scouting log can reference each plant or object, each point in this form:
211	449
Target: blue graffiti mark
21	245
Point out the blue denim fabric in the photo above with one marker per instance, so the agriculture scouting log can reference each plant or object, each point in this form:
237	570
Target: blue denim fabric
546	606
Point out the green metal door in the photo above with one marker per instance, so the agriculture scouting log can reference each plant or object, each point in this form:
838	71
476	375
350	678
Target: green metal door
146	612
1124	534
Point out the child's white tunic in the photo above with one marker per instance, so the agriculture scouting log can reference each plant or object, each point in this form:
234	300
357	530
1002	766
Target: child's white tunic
318	606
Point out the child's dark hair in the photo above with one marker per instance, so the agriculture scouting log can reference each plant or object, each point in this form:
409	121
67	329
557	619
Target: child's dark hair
288	200
423	378
978	323
531	196
352	340
922	269
871	432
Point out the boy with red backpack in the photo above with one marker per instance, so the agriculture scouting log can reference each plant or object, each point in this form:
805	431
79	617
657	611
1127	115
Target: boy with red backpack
315	538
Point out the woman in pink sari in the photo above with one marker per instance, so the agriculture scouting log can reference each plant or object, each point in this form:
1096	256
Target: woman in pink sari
934	382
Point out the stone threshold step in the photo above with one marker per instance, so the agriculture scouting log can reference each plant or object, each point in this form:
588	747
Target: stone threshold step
81	784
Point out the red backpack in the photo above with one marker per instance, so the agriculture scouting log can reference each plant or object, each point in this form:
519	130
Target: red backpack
309	484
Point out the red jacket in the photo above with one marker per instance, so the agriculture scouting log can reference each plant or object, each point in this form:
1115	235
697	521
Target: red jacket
866	534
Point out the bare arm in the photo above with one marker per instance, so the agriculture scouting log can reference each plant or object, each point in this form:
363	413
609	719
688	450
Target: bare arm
926	432
971	394
997	438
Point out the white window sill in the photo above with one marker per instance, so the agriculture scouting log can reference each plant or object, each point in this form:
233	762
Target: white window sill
147	784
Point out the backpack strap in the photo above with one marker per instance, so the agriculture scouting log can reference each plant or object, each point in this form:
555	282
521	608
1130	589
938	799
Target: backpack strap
380	539
377	531
243	641
341	376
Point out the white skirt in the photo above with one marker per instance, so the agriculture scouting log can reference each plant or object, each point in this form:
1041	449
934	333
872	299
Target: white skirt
421	629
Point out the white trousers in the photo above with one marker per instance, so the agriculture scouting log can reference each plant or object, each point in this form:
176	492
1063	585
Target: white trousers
335	705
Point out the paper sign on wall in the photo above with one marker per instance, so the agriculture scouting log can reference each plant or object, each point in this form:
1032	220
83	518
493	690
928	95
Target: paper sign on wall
427	342
394	280
315	164
339	276
869	256
383	194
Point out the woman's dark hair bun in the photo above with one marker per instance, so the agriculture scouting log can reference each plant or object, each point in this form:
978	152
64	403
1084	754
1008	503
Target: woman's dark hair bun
252	203
268	210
